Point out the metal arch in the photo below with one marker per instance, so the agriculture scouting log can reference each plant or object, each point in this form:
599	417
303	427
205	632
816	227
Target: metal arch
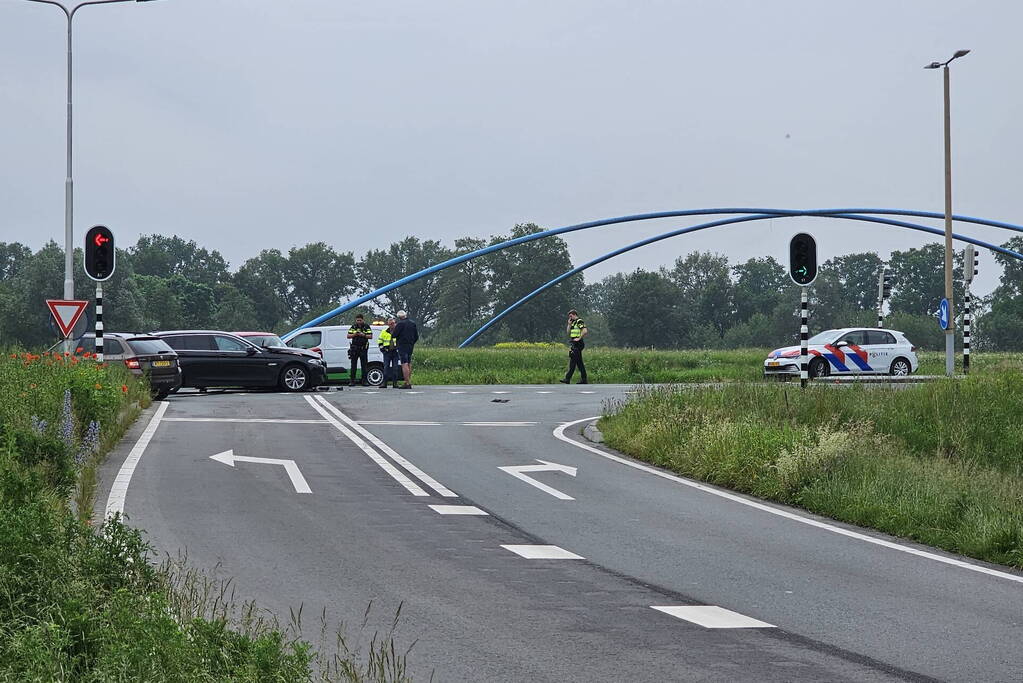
454	261
681	231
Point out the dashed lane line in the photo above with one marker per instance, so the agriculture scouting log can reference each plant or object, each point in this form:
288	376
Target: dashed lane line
542	552
384	464
256	420
712	616
457	510
384	448
559	433
119	489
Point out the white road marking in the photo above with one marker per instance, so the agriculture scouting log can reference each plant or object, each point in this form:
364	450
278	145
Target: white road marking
297	480
712	616
384	448
499	424
545	392
559	433
246	419
400	423
413	392
518	471
457	510
500	392
119	489
456	392
542	552
587	392
386	466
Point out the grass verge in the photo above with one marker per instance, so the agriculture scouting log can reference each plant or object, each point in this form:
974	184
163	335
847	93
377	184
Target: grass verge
84	604
939	463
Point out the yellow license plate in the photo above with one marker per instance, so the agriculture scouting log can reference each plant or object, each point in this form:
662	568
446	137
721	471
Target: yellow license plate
161	363
773	363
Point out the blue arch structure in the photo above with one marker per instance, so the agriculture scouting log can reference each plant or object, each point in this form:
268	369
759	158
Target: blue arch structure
703	226
454	261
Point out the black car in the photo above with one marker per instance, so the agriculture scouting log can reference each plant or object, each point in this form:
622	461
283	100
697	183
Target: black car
220	359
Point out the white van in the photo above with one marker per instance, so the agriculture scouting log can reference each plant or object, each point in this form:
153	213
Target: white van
331	342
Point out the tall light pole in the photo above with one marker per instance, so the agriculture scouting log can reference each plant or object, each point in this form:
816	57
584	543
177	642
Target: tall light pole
69	186
950	330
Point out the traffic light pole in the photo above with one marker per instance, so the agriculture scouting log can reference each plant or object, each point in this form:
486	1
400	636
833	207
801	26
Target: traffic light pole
99	322
804	331
966	331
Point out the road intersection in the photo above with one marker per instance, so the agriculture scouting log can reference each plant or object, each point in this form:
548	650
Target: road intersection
623	575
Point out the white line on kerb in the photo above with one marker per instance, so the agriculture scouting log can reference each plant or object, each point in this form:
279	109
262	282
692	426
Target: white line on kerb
415	471
559	433
386	466
119	489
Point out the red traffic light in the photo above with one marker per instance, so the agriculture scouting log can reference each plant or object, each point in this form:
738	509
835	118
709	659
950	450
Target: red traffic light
100	255
100	239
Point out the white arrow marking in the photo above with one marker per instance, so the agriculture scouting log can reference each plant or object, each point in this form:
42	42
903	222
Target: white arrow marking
297	480
518	471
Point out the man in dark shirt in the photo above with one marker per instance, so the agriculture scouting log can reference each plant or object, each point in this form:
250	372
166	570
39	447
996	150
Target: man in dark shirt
358	348
407	334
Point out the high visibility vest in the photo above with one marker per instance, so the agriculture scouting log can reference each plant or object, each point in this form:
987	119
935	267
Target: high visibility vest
359	341
575	330
386	340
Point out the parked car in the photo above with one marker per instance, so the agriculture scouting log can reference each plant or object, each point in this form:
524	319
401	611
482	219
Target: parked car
143	355
211	358
848	351
331	342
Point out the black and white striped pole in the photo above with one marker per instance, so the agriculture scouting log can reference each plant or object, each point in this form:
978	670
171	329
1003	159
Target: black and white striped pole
971	266
99	322
803	271
884	291
100	261
804	335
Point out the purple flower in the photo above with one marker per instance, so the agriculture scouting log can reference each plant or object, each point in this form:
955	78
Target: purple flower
89	444
38	425
67	425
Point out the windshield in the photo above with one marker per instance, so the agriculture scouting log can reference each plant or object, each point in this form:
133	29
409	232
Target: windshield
266	340
825	337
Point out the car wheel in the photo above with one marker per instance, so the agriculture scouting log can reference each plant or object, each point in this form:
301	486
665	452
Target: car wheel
294	378
375	375
900	368
818	368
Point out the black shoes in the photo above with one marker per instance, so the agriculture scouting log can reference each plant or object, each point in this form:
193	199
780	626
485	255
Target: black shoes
583	382
563	381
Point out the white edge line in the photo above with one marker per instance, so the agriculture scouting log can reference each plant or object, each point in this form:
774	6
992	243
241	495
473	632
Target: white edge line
259	420
395	473
119	489
415	471
559	433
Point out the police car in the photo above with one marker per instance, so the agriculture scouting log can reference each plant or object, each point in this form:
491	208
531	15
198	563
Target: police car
848	351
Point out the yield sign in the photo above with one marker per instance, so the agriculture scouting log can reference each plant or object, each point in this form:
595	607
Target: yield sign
66	313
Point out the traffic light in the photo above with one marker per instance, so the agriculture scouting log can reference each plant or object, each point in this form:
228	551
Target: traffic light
886	285
971	264
803	259
100	255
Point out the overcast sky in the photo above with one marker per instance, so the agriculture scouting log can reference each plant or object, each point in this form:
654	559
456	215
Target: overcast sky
254	124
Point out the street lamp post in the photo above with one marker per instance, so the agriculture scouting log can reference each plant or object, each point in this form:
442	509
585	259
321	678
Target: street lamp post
69	185
950	330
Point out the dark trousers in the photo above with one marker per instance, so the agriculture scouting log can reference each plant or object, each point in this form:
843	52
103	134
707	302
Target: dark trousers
575	360
358	355
392	368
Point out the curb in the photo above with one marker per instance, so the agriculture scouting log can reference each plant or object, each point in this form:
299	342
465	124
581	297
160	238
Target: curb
591	433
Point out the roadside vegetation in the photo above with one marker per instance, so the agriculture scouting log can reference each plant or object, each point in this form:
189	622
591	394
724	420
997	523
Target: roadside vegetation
940	463
79	603
545	363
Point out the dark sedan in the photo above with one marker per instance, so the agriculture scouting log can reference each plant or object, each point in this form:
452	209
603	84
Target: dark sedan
220	359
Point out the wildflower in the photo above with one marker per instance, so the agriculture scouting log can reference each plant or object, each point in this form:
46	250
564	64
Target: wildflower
67	425
98	385
38	425
124	388
89	443
31	386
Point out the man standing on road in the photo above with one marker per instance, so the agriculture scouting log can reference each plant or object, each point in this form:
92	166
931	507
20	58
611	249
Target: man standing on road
576	331
358	348
406	334
389	348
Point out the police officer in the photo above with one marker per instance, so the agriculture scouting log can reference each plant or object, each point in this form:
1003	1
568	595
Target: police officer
576	331
358	348
388	344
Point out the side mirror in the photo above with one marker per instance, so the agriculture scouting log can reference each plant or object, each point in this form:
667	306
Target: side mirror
251	350
842	343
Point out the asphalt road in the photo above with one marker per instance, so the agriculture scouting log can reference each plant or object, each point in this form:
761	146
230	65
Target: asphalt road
795	601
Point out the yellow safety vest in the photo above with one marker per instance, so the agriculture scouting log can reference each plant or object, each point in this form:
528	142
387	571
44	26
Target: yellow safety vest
386	340
575	330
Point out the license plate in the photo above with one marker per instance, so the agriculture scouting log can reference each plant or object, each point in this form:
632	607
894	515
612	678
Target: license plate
773	363
161	363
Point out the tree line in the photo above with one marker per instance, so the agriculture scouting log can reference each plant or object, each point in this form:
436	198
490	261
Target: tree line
701	301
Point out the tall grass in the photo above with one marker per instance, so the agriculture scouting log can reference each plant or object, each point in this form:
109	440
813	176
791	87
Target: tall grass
519	363
941	463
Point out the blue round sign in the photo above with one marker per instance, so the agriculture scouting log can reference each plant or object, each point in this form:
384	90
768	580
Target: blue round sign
943	317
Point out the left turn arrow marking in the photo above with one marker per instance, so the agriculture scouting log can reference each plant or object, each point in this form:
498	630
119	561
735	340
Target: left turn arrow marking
297	480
